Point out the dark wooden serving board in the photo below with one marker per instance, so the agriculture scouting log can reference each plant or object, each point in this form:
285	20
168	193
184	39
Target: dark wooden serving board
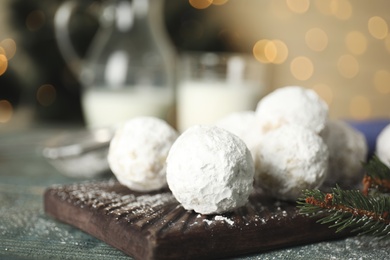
155	226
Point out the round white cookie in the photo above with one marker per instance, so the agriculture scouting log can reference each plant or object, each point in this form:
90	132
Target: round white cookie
383	146
138	151
210	170
245	125
347	151
290	159
292	105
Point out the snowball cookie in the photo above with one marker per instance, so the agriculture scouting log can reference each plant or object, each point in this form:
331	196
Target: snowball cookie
347	150
290	159
292	104
245	125
138	151
210	170
383	146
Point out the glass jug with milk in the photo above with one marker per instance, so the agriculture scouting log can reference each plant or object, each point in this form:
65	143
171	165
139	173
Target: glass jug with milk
129	69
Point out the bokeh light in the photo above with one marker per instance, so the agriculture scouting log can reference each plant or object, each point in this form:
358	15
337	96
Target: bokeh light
348	66
219	2
6	111
301	68
46	95
335	37
298	6
377	27
330	46
259	50
342	9
35	20
316	39
9	46
200	4
3	64
382	81
270	51
360	107
356	42
281	51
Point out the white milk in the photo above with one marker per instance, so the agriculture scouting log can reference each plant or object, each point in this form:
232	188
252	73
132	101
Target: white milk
202	102
110	107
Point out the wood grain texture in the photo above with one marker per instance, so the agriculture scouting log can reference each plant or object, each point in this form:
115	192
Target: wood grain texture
155	226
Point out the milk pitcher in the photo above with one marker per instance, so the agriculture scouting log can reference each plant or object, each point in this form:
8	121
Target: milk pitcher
128	70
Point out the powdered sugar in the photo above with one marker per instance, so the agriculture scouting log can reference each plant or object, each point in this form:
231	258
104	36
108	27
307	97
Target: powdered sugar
383	146
99	196
138	151
290	159
245	125
225	219
210	170
347	150
292	104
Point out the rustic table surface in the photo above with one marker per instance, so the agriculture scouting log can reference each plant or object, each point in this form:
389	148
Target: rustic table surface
27	233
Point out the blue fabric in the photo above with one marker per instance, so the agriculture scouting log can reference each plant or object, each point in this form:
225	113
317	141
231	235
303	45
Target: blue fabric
371	129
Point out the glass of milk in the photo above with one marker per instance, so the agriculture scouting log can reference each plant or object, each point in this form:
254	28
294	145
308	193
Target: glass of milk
213	85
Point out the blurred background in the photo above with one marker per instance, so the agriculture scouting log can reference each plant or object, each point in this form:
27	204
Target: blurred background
339	48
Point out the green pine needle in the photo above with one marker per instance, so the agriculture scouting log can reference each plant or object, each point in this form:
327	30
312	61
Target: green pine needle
349	209
365	212
376	169
377	177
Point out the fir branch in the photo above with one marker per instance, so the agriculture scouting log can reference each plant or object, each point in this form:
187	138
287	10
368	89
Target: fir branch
349	209
377	176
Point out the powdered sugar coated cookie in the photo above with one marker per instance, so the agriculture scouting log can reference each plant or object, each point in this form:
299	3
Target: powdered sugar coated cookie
290	159
383	146
347	150
292	105
210	170
138	152
245	125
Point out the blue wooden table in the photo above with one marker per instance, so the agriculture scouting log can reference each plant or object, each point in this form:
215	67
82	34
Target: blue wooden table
27	233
